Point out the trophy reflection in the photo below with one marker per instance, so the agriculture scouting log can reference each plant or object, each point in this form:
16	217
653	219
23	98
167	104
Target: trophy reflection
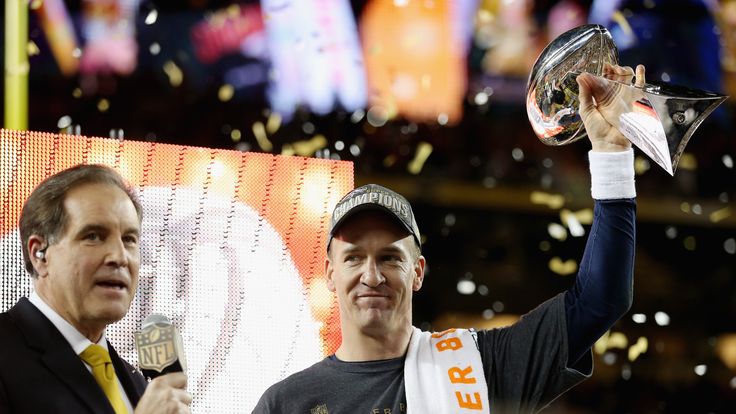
659	118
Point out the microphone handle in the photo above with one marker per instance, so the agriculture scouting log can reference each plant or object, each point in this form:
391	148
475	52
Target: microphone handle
151	374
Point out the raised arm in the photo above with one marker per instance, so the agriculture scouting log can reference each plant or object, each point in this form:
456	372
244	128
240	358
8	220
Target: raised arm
603	288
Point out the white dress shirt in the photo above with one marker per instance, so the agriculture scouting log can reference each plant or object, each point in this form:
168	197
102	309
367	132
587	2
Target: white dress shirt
77	341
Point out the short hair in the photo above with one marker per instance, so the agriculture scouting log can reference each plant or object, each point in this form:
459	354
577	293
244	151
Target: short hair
43	212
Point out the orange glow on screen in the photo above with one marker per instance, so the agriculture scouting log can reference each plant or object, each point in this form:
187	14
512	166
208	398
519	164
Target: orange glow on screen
414	61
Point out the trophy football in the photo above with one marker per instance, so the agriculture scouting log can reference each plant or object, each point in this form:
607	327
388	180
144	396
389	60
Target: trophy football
659	118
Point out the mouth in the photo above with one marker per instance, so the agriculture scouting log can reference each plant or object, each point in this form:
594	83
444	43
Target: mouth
372	296
112	284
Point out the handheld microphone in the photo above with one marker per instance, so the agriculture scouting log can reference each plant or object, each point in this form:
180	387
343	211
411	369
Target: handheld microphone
160	348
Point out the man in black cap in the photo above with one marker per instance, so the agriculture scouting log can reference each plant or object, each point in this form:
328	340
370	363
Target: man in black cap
374	265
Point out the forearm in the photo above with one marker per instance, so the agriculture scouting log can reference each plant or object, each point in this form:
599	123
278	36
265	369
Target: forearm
603	288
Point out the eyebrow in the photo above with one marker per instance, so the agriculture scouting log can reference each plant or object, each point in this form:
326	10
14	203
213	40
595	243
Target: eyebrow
352	249
384	250
392	249
92	227
104	229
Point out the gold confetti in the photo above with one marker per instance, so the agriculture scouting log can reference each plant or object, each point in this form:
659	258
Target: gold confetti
720	215
619	18
103	105
565	268
584	216
389	160
233	10
226	92
617	340
424	149
274	123
726	349
689	243
305	148
641	165
687	162
36	4
609	340
259	130
557	231
570	220
553	201
287	150
638	348
174	73
685	207
32	48
235	135
77	92
601	344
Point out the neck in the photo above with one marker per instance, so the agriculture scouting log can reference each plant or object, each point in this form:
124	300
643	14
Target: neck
367	345
92	333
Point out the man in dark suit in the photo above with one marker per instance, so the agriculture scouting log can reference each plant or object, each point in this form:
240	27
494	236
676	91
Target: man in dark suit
80	231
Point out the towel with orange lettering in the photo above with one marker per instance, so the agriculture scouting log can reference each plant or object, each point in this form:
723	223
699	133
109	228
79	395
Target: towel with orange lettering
443	373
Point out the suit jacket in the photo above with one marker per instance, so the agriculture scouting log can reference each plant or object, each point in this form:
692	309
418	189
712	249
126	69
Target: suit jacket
41	374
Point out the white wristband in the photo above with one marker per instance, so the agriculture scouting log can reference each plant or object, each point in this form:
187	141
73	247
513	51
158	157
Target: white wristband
612	175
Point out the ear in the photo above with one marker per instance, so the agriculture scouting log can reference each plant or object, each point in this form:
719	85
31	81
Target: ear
35	245
329	271
418	273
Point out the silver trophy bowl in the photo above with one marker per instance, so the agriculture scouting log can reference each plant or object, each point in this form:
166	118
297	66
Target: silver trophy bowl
660	117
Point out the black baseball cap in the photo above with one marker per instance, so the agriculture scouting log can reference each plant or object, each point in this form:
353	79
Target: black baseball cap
374	197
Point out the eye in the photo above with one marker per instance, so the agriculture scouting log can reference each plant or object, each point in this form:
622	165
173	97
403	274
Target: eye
351	258
390	258
92	236
130	240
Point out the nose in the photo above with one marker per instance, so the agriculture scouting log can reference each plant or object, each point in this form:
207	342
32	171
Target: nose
371	275
117	254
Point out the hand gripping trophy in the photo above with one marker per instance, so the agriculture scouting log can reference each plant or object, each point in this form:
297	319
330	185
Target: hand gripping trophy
658	118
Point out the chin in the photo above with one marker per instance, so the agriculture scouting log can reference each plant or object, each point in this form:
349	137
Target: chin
112	313
375	322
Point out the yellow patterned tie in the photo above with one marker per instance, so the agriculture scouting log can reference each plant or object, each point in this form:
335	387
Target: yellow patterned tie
104	373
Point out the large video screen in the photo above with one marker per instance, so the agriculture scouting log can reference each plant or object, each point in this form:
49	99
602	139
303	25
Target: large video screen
233	248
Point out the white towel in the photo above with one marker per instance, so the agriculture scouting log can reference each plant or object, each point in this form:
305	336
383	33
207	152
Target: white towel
443	373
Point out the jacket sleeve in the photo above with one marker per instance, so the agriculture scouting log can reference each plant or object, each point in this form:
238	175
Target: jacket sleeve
603	289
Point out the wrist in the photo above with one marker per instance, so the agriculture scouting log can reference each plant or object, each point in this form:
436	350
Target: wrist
606	146
612	175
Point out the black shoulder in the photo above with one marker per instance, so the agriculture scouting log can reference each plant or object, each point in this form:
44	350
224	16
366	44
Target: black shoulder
298	383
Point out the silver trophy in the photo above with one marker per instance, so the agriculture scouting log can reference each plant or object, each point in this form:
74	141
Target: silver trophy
659	118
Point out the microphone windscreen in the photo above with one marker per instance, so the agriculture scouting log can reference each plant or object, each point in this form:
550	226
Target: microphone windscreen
160	348
155	318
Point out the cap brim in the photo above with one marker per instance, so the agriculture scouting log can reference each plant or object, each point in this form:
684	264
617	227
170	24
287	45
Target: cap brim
368	207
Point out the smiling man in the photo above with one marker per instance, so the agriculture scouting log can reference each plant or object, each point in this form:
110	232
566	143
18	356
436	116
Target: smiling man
80	232
374	265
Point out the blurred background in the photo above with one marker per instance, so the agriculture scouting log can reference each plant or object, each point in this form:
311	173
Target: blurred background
427	97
